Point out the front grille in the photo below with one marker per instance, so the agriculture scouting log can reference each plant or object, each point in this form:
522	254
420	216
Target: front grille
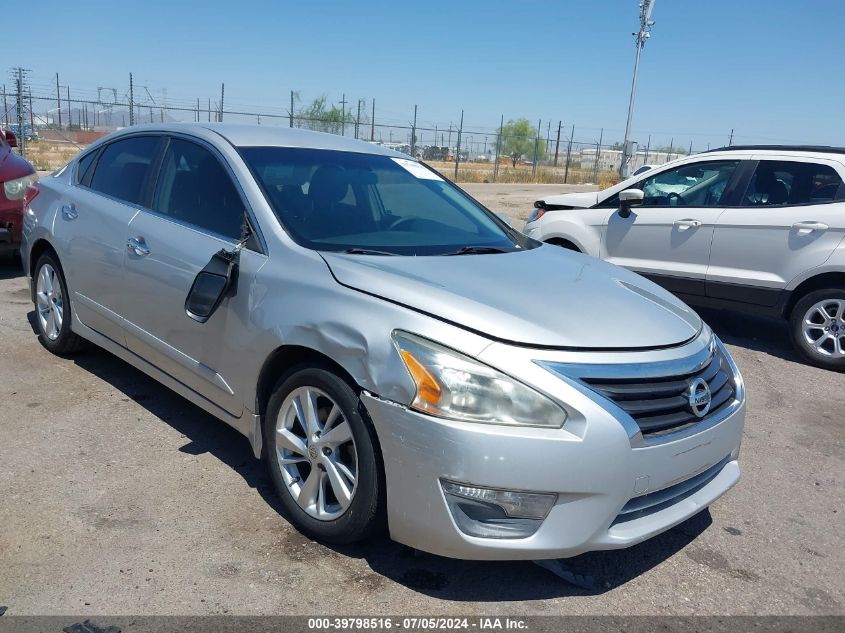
652	502
662	405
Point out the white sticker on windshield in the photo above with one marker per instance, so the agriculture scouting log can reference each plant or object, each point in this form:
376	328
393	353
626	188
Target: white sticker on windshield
416	169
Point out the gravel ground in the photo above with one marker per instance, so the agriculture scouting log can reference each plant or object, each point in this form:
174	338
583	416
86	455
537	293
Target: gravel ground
120	497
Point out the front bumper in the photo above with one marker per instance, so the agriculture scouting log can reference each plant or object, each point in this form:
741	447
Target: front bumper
592	463
11	223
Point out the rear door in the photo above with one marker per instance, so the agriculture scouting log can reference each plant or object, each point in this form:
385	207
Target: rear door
789	220
668	237
110	185
196	210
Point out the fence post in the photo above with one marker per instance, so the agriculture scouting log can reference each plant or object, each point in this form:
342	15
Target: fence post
373	123
290	112
5	108
536	148
222	94
343	115
69	111
598	154
20	108
358	119
414	133
131	100
647	148
59	100
568	154
458	153
557	143
498	148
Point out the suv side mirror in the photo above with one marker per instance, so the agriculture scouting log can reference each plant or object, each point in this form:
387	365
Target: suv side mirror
11	139
212	284
629	198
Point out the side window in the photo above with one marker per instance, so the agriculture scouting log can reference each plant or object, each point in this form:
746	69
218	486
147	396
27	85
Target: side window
194	187
84	165
779	183
694	185
123	168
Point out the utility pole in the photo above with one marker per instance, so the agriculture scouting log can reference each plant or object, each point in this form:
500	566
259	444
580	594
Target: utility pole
671	147
647	148
568	154
458	153
69	112
373	123
20	108
358	119
557	143
689	153
222	94
290	112
646	8
59	100
131	101
343	103
731	140
5	108
414	133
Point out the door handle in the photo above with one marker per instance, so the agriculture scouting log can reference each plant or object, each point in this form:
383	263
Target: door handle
805	228
138	246
683	225
69	212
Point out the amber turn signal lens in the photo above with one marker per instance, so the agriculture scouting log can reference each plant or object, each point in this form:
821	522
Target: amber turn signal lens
428	389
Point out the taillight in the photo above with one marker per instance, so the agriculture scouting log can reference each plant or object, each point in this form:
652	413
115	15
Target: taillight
29	194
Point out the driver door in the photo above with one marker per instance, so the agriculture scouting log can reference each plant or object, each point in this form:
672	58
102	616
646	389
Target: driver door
668	237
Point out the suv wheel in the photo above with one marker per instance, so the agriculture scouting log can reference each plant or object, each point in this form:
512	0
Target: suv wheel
817	324
322	456
52	307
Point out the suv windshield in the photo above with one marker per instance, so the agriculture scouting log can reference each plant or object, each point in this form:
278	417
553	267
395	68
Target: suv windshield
371	204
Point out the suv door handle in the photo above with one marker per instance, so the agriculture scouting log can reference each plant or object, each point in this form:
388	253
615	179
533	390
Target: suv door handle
138	246
69	212
683	225
805	228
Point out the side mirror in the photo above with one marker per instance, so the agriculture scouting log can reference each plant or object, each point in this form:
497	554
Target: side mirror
11	139
629	198
214	282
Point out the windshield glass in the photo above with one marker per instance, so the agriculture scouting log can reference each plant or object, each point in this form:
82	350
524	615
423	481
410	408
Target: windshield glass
340	201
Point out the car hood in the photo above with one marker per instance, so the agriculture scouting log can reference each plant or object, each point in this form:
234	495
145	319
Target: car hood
581	200
544	297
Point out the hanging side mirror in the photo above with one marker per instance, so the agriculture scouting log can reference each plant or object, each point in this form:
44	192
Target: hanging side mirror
212	284
629	198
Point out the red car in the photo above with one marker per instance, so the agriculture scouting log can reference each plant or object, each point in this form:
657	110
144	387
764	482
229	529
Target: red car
16	175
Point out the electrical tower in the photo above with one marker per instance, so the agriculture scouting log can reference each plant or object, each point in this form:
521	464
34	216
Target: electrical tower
641	37
20	78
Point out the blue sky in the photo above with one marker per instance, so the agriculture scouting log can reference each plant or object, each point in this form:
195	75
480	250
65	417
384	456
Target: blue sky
770	69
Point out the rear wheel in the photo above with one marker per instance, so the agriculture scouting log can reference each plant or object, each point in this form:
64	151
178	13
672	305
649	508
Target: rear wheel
322	456
52	307
817	325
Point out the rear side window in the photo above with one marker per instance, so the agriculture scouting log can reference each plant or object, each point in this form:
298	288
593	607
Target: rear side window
193	187
124	167
84	165
780	183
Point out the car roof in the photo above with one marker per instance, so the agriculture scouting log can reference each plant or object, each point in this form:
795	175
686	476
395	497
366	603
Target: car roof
245	135
813	149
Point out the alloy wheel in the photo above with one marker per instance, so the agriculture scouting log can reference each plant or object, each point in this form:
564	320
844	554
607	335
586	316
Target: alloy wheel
823	328
316	453
49	302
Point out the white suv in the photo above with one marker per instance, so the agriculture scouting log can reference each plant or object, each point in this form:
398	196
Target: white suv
752	228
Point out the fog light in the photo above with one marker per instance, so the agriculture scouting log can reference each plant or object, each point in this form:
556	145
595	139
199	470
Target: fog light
496	513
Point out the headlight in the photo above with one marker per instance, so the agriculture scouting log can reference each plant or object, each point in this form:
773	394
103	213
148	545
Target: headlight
536	214
16	189
451	385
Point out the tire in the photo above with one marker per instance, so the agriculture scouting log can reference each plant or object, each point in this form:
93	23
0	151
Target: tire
53	313
819	346
328	514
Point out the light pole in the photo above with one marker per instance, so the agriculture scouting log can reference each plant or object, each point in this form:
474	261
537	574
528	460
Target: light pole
646	8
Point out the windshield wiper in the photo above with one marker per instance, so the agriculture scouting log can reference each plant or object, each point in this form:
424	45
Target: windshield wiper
478	250
366	251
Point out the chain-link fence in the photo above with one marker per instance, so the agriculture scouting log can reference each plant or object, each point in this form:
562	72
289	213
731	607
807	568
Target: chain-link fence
54	121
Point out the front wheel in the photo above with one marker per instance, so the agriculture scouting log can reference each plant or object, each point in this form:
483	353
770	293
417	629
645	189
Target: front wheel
817	325
323	457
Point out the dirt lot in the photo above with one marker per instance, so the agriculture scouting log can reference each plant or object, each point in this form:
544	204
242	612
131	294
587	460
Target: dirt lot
120	497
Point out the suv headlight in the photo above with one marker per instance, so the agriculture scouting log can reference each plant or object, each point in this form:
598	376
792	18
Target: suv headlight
452	385
16	189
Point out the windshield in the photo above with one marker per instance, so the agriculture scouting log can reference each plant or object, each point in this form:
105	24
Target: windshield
345	201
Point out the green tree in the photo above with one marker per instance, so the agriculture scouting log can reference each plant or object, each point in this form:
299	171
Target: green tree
518	138
322	117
